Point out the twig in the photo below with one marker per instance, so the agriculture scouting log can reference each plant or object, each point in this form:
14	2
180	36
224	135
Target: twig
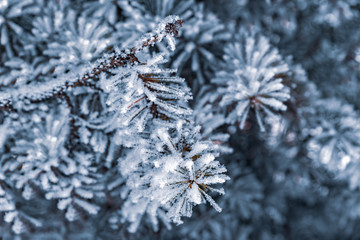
169	27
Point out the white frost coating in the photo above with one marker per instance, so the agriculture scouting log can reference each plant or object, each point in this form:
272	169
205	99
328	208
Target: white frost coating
171	41
189	165
252	81
171	164
71	214
40	151
64	203
142	95
18	226
211	201
159	32
90	208
84	193
197	148
38	91
11	214
194	194
174	175
206	159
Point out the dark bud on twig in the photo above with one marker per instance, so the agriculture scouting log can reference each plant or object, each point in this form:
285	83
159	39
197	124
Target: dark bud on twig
173	28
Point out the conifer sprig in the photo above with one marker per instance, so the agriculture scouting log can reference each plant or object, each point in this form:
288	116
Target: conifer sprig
167	28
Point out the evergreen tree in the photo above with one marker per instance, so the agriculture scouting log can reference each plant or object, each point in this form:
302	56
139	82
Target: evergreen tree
171	119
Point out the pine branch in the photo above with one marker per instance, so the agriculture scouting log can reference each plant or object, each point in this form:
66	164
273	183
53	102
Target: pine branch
167	28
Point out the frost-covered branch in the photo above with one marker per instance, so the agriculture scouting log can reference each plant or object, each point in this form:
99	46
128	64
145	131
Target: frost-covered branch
167	28
168	175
